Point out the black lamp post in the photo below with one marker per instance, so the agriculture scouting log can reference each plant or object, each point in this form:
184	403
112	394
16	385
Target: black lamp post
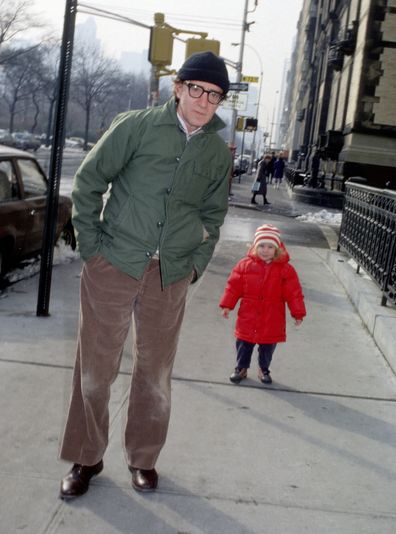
51	214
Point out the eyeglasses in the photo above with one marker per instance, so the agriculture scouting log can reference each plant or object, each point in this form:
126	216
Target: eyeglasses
196	91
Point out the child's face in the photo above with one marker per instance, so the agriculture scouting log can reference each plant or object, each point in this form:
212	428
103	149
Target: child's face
266	251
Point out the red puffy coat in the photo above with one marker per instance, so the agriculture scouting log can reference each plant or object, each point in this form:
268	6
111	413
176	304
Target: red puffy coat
264	290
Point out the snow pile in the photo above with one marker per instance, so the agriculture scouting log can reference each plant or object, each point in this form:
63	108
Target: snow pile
62	254
28	269
321	217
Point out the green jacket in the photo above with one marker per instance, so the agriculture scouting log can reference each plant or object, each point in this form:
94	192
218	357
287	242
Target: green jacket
166	194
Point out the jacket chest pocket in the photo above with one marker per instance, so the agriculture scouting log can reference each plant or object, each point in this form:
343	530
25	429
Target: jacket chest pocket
193	183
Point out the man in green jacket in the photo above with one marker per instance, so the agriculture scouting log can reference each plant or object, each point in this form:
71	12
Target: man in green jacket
168	170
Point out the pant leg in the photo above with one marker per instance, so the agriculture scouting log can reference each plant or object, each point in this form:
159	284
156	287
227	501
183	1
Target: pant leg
107	297
244	353
158	316
265	355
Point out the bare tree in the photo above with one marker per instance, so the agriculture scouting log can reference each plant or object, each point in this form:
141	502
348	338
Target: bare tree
18	84
92	80
15	17
46	73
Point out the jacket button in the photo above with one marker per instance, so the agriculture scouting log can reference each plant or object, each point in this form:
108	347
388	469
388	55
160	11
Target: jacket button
178	159
159	224
168	190
148	254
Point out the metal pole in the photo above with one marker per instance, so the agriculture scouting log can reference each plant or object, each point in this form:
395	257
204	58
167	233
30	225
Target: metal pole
55	169
239	68
241	156
273	120
153	95
258	103
253	151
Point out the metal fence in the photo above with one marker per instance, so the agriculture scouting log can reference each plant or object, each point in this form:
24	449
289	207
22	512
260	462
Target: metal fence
368	234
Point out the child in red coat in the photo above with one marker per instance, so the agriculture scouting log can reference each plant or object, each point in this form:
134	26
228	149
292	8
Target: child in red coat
265	282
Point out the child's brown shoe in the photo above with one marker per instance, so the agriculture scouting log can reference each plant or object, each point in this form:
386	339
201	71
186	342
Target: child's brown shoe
238	375
264	376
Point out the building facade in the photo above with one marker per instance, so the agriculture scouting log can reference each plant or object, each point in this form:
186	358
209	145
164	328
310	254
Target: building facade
341	113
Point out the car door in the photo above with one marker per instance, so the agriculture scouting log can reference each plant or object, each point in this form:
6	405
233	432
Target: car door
13	213
34	191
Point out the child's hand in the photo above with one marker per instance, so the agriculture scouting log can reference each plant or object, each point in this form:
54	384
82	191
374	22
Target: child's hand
298	322
225	312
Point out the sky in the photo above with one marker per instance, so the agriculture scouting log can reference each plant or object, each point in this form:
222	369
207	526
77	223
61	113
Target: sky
268	43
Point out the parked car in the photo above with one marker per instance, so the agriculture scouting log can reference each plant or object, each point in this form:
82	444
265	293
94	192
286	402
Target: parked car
26	141
6	138
77	142
23	196
74	142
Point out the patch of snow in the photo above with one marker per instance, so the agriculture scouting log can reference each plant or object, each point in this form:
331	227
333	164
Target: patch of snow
62	254
321	217
28	269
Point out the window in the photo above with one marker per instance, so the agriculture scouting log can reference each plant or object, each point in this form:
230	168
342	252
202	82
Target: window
34	182
8	182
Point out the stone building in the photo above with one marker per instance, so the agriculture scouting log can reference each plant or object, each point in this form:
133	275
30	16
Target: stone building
341	112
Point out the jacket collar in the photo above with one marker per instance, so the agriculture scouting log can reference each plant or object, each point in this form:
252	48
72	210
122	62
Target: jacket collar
167	115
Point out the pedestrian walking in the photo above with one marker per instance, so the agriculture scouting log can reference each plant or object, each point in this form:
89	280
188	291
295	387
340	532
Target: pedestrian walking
260	184
168	169
270	168
264	282
279	169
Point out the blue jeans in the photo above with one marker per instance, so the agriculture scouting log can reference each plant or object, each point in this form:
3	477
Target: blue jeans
245	350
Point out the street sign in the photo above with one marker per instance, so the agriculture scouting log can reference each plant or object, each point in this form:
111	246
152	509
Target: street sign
236	100
251	79
235	86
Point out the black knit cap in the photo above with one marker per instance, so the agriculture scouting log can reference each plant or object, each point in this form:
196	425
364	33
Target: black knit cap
205	67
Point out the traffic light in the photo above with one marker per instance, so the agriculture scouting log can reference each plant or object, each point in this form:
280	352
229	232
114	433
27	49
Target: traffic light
202	45
161	42
240	124
250	124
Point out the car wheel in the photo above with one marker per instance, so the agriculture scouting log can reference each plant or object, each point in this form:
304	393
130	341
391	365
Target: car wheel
68	235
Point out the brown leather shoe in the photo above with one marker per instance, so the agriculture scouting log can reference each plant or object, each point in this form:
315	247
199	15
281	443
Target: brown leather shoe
144	479
76	482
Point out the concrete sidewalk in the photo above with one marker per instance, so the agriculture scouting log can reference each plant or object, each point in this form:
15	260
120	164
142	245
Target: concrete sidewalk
314	452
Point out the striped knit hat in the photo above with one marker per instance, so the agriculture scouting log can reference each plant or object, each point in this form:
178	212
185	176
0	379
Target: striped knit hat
267	234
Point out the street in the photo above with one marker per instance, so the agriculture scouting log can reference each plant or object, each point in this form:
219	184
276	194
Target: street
70	163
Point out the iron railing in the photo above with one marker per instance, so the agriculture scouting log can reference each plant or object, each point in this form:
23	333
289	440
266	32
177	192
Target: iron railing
294	177
368	234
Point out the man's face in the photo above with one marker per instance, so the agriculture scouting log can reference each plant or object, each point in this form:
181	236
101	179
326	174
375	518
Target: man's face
196	112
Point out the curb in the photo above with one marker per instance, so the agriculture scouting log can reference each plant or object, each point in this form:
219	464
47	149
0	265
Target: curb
365	295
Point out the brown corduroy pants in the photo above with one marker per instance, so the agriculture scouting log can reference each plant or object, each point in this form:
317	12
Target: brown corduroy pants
109	297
